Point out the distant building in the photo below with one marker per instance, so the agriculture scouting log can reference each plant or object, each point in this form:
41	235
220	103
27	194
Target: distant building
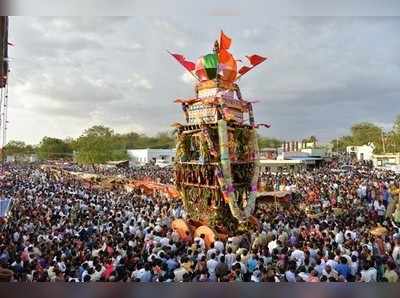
144	156
364	152
385	160
268	153
22	158
317	152
293	156
294	146
282	165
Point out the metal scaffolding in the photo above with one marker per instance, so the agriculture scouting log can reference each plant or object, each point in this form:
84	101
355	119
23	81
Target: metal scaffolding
4	70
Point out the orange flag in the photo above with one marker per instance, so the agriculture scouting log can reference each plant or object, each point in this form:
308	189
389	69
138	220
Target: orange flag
224	41
224	56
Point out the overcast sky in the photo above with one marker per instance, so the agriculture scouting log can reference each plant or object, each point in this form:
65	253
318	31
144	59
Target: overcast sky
323	74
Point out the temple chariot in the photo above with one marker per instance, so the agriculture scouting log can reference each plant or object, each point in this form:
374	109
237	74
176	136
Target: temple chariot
217	164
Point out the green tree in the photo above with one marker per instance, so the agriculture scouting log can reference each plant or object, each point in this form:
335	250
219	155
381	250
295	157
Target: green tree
365	132
119	155
340	144
162	140
311	139
264	142
53	148
396	125
95	146
17	149
99	131
395	137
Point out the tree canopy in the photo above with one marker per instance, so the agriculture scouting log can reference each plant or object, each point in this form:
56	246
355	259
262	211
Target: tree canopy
264	142
100	144
53	148
17	149
366	132
94	146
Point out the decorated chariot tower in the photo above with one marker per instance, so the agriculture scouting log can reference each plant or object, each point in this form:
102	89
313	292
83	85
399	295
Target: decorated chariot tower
217	164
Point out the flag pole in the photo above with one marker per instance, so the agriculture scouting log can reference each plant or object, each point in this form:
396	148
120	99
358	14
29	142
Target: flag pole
194	76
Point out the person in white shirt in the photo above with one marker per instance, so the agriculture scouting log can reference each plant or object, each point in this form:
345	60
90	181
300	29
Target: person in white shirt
339	237
243	267
290	275
354	265
211	265
178	273
164	241
230	258
211	251
369	274
331	261
320	266
330	272
272	244
298	255
218	244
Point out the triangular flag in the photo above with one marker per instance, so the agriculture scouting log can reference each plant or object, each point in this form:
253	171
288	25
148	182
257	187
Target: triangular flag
244	69
224	56
224	41
256	59
190	66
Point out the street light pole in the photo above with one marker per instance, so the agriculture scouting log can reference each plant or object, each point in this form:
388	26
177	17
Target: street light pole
383	142
337	145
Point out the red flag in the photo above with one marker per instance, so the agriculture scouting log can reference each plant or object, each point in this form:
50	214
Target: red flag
224	41
256	59
244	69
190	66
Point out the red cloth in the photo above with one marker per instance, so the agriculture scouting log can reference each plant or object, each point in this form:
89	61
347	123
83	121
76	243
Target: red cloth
244	69
109	270
190	66
256	59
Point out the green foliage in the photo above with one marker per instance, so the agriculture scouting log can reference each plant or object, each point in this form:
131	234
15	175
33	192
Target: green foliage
119	155
365	132
53	148
341	143
264	142
311	139
361	134
132	140
396	126
17	148
97	144
100	144
162	140
94	146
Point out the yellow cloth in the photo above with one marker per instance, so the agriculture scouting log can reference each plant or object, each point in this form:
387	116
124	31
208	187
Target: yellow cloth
391	276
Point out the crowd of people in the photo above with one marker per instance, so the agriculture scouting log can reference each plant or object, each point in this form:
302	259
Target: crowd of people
164	175
58	230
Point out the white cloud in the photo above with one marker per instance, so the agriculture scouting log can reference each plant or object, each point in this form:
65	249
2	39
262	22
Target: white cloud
188	78
137	81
